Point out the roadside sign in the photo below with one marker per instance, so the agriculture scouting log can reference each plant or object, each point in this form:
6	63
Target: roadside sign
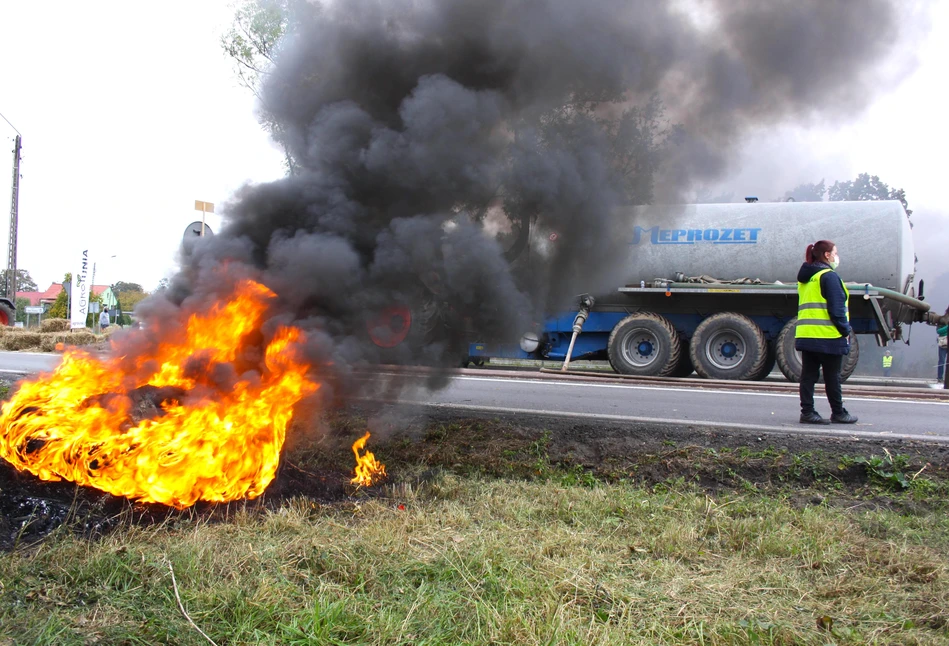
33	309
194	231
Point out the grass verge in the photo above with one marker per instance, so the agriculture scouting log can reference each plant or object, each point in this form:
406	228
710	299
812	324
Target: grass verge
496	532
486	561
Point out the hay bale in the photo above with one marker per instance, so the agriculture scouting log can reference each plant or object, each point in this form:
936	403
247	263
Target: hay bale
54	325
21	341
79	337
53	341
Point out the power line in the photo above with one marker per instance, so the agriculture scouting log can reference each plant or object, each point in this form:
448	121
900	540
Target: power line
11	125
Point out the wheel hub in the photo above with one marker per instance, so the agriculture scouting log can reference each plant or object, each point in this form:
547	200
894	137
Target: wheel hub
725	350
641	347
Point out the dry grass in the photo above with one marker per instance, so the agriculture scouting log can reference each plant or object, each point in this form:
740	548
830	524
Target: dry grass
473	561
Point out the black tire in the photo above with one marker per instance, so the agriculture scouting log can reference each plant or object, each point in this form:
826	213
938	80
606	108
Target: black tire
728	346
684	367
7	315
768	366
789	359
850	360
644	344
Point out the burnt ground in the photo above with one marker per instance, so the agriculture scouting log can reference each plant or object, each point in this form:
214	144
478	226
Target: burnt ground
908	476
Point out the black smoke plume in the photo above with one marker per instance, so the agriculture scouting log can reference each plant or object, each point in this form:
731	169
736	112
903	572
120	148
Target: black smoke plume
474	160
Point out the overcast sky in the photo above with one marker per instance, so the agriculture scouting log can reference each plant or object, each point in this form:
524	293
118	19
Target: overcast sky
130	112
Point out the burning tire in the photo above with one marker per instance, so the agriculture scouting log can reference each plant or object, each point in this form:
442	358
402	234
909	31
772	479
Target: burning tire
728	346
789	359
7	315
644	344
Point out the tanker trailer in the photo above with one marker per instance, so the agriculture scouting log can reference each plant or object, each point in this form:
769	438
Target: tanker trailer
713	288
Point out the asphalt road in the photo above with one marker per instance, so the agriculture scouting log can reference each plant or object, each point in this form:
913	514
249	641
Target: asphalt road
749	411
26	362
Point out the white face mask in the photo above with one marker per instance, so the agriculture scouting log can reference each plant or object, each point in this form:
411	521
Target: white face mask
835	262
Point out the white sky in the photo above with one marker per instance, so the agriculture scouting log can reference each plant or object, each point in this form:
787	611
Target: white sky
131	111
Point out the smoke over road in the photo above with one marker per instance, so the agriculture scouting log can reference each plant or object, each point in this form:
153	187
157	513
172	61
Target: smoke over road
416	127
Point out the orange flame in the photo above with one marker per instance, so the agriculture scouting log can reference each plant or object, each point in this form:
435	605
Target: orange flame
368	469
204	444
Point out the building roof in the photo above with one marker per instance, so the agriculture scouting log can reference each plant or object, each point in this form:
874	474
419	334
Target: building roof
33	296
54	289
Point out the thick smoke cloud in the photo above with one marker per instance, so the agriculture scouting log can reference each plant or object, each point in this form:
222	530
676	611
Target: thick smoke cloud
418	126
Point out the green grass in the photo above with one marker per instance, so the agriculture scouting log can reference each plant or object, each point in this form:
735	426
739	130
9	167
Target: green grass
563	559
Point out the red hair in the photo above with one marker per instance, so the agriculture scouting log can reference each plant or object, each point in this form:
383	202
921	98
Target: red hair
815	252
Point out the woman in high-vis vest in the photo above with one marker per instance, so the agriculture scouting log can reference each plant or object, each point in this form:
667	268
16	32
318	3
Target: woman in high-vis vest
822	335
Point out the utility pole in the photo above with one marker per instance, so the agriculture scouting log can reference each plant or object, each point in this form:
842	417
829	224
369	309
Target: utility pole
14	220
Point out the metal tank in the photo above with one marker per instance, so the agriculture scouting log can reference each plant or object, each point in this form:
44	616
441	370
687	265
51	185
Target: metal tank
766	240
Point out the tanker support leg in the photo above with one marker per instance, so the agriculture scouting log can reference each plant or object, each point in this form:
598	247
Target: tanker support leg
586	304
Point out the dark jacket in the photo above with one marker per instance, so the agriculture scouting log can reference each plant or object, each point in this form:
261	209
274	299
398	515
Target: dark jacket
832	289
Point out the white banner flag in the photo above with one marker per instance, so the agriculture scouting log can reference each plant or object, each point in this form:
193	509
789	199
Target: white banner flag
80	292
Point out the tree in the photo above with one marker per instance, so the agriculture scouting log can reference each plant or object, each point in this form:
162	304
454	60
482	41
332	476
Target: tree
21	304
128	300
807	193
867	187
58	310
162	285
253	42
864	188
122	287
24	282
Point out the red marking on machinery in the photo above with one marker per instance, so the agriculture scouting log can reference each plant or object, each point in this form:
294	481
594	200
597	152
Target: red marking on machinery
391	326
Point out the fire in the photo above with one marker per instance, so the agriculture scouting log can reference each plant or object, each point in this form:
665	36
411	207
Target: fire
206	440
368	469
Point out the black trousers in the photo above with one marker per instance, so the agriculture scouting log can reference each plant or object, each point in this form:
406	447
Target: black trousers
812	364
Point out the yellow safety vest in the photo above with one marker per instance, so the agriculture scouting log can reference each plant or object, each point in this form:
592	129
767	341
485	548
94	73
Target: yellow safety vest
887	361
813	319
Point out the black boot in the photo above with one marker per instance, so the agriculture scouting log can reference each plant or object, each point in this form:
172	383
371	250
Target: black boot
813	417
843	417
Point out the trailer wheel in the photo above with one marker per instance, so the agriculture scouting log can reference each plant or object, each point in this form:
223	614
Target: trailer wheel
644	344
769	362
850	360
728	346
7	315
789	359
